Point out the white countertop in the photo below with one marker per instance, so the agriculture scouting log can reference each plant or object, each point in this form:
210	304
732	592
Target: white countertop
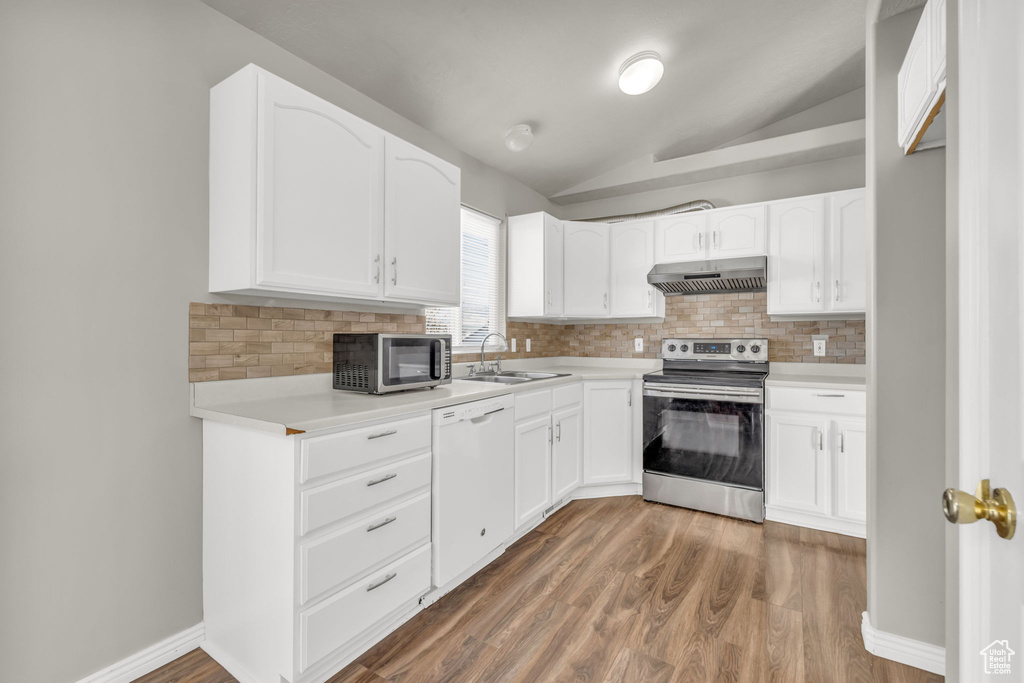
824	375
307	403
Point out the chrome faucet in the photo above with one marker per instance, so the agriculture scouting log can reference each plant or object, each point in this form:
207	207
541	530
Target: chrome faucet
483	365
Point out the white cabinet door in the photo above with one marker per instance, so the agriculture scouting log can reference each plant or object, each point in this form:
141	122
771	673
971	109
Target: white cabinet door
320	195
796	256
936	11
533	468
586	269
567	452
607	432
632	257
850	443
553	283
798	471
681	238
737	232
914	84
847	282
422	226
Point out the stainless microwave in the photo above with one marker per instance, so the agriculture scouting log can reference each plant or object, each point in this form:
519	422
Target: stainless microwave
382	363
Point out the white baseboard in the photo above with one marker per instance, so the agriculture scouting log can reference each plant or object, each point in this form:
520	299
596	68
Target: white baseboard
812	521
903	650
150	659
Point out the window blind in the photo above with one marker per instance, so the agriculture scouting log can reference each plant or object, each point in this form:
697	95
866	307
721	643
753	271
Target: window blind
483	297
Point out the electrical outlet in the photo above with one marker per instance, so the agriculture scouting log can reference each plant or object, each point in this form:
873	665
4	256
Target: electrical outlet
819	344
638	344
512	345
527	345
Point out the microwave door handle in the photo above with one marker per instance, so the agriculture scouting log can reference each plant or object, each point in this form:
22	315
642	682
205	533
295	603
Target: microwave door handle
438	366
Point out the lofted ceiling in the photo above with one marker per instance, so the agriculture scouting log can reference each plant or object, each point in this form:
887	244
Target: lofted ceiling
469	69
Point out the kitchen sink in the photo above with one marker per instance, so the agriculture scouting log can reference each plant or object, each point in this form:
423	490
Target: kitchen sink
513	377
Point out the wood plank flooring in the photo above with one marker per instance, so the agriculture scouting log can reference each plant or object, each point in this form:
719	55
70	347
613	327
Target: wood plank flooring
616	590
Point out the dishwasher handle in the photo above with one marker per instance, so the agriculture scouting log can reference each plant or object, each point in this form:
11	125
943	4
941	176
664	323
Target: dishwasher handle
486	416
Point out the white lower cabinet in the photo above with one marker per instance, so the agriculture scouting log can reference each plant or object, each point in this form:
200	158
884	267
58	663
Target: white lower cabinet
548	449
817	459
609	451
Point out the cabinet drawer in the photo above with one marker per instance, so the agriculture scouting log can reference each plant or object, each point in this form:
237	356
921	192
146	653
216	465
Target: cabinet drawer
340	499
362	447
568	395
533	403
820	400
334	559
335	621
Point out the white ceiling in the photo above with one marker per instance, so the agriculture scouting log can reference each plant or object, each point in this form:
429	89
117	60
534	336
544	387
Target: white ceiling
468	69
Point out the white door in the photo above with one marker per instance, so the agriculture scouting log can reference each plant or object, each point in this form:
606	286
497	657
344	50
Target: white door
850	443
681	237
796	255
422	228
798	471
533	468
607	432
632	257
567	452
320	195
847	282
991	318
737	232
586	269
553	246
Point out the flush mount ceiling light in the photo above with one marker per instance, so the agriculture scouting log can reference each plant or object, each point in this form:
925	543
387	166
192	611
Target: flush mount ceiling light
640	73
518	137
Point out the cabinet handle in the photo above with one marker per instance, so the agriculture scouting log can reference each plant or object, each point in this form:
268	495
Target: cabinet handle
383	479
714	239
394	262
842	441
374	586
821	440
817	288
831	395
382	434
558	436
374	527
837	290
606	299
649	295
700	240
549	435
376	261
629	397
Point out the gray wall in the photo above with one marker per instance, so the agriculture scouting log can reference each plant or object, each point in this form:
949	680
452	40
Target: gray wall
906	360
103	208
824	176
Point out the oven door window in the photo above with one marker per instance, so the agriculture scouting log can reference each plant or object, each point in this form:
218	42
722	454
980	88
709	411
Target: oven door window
407	361
717	441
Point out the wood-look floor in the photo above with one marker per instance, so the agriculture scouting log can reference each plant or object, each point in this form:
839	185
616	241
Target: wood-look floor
616	589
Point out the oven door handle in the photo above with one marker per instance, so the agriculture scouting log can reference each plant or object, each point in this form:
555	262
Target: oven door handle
699	395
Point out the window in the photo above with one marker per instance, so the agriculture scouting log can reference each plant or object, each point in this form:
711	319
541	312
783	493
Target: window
483	286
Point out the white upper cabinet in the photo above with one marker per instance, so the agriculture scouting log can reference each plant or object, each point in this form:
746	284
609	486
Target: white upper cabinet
553	257
796	256
848	252
421	226
308	201
736	232
632	257
921	82
586	269
680	238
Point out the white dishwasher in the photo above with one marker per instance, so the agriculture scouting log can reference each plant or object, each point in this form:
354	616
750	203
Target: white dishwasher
472	496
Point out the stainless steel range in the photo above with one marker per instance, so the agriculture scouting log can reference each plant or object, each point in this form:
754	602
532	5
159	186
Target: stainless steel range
704	426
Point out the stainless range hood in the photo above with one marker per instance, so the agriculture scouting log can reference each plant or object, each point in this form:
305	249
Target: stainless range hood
710	277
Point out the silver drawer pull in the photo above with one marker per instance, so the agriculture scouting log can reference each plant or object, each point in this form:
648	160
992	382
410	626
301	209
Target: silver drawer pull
383	479
374	527
374	586
383	434
831	395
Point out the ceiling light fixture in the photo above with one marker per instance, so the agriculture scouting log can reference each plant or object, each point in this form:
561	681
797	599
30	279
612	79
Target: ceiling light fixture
640	73
518	137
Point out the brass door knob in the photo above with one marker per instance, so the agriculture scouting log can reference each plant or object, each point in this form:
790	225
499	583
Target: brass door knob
995	505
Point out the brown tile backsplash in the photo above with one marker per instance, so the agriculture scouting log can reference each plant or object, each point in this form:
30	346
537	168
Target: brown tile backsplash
236	342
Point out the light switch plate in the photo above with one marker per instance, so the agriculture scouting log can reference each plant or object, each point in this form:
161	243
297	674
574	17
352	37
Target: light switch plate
527	345
512	345
820	340
638	344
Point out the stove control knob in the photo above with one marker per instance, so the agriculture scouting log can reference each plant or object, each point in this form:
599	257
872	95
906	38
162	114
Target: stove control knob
684	348
755	349
671	347
741	348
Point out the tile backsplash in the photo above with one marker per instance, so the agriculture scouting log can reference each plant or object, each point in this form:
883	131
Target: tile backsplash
236	342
